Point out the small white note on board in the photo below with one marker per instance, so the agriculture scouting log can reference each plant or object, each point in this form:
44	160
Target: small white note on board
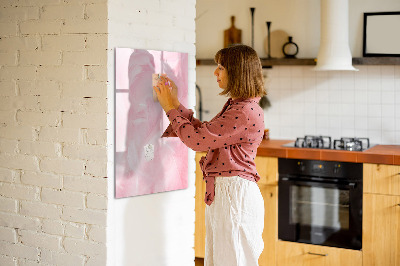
149	152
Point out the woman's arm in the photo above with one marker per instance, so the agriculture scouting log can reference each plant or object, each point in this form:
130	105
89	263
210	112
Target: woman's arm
187	113
223	131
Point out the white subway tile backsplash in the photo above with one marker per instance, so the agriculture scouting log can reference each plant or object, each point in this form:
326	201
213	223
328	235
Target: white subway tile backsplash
374	111
284	83
335	95
397	110
374	97
297	83
388	124
361	123
348	122
286	120
397	71
360	81
338	104
374	84
322	109
334	109
335	122
388	84
389	136
310	108
361	110
361	97
374	123
284	72
310	95
348	96
297	72
375	136
387	72
347	110
322	83
322	121
397	95
322	95
388	97
348	133
388	111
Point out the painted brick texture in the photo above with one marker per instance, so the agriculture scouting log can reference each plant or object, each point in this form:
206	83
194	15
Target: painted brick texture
53	111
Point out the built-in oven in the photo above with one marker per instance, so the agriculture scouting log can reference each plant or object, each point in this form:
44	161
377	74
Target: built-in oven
320	202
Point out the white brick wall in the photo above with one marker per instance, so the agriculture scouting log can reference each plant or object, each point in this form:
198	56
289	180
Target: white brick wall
53	154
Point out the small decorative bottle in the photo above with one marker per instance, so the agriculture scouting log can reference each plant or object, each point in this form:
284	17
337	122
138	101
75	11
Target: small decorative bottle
290	49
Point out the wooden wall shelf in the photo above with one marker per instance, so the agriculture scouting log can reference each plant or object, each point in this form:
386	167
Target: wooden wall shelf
312	61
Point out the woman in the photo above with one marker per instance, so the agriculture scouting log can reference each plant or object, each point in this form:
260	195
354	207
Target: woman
235	207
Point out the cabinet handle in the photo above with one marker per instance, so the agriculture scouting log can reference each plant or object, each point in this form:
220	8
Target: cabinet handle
318	254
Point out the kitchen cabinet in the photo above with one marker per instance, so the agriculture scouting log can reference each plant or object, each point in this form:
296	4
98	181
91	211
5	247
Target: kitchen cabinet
381	179
381	215
270	233
267	167
200	207
291	253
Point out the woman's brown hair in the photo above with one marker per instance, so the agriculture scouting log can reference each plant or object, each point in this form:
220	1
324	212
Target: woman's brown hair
245	78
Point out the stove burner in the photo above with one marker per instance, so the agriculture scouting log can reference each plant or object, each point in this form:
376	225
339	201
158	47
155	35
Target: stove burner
324	142
351	144
308	141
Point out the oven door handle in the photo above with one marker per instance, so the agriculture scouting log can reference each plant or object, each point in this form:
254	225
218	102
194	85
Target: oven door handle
297	181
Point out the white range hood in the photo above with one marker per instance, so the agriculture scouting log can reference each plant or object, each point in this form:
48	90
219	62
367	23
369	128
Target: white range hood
334	51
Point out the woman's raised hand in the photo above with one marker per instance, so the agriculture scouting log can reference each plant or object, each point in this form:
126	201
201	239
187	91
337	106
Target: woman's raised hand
174	92
164	94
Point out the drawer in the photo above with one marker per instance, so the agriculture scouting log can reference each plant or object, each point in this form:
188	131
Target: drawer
293	254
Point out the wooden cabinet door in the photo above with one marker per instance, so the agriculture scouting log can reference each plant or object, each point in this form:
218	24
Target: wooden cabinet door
297	254
270	233
381	230
381	179
267	168
200	207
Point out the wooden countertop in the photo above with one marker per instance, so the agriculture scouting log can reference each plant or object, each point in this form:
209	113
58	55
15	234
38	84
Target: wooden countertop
379	154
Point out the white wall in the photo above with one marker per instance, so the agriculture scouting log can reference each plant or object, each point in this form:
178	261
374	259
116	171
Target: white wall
338	104
153	229
298	18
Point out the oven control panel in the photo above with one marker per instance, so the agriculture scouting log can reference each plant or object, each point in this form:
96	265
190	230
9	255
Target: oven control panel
331	169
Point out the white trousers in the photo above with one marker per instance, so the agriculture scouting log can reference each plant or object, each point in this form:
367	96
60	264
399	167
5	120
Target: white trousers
234	223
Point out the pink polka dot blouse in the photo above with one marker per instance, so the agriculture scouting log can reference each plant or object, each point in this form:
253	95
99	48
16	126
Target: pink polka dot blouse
231	139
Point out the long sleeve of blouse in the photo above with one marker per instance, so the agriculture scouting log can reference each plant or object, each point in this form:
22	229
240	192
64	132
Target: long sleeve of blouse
186	113
222	131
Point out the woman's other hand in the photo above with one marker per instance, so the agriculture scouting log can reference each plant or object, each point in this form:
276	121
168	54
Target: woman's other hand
164	94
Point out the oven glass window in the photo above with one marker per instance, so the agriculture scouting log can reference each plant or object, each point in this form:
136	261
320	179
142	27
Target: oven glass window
318	207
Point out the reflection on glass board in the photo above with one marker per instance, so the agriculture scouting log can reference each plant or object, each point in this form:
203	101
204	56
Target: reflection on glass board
145	163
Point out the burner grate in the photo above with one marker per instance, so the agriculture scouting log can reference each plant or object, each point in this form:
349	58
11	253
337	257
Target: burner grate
351	144
320	142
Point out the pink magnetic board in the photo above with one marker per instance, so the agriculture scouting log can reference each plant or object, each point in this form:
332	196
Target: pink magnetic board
145	163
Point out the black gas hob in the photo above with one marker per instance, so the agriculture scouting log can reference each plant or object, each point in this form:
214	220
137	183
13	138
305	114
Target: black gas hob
325	142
